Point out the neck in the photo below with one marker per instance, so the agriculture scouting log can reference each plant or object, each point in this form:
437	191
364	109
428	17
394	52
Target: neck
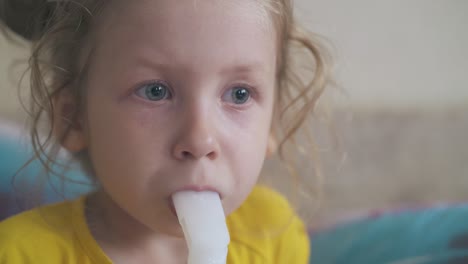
116	231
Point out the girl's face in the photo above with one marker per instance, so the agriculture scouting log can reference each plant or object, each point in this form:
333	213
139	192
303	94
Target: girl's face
179	96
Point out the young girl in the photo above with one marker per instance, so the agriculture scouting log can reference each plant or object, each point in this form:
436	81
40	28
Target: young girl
158	96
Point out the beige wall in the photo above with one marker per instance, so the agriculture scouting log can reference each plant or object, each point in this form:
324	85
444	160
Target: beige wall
396	53
404	66
12	64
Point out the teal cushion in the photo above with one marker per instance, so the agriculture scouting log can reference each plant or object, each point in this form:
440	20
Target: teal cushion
15	188
432	235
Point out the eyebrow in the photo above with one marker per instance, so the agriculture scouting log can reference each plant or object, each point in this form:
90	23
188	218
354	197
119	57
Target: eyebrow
252	66
244	68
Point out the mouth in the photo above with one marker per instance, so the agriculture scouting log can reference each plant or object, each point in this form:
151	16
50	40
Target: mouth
197	188
194	188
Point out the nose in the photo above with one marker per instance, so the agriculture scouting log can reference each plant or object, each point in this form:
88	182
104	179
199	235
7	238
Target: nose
196	138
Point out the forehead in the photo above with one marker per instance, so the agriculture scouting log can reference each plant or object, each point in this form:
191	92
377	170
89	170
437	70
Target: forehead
184	31
215	10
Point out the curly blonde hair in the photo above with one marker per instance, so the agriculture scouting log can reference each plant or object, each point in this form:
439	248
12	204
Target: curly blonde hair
56	65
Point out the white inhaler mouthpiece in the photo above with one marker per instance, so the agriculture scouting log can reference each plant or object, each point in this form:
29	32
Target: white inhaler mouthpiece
203	222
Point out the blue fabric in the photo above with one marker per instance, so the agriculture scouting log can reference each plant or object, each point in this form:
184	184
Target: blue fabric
13	155
434	235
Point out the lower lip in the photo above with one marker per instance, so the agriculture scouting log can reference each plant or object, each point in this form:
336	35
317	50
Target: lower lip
172	207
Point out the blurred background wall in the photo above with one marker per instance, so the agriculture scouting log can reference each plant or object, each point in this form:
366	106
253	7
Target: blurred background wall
396	54
403	118
13	57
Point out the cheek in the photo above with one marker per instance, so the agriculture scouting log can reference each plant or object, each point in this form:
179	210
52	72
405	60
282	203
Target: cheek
249	158
245	144
247	133
122	141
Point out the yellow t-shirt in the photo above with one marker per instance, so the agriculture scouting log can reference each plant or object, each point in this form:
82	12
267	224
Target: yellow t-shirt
263	230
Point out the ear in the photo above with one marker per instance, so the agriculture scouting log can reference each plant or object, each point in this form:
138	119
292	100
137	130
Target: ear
271	146
68	125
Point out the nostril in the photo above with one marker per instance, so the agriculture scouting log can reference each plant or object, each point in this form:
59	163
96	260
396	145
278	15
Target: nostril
212	155
186	151
186	154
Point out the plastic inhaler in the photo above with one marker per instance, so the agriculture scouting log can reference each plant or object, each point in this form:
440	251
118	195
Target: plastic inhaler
203	222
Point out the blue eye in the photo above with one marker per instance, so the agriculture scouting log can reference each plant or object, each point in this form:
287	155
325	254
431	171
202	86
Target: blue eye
155	91
237	95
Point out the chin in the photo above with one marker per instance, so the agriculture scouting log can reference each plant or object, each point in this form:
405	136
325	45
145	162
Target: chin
170	227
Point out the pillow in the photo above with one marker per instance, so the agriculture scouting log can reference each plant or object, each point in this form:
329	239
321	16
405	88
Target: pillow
21	190
430	235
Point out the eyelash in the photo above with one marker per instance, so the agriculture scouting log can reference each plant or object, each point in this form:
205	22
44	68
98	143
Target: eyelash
252	92
142	92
